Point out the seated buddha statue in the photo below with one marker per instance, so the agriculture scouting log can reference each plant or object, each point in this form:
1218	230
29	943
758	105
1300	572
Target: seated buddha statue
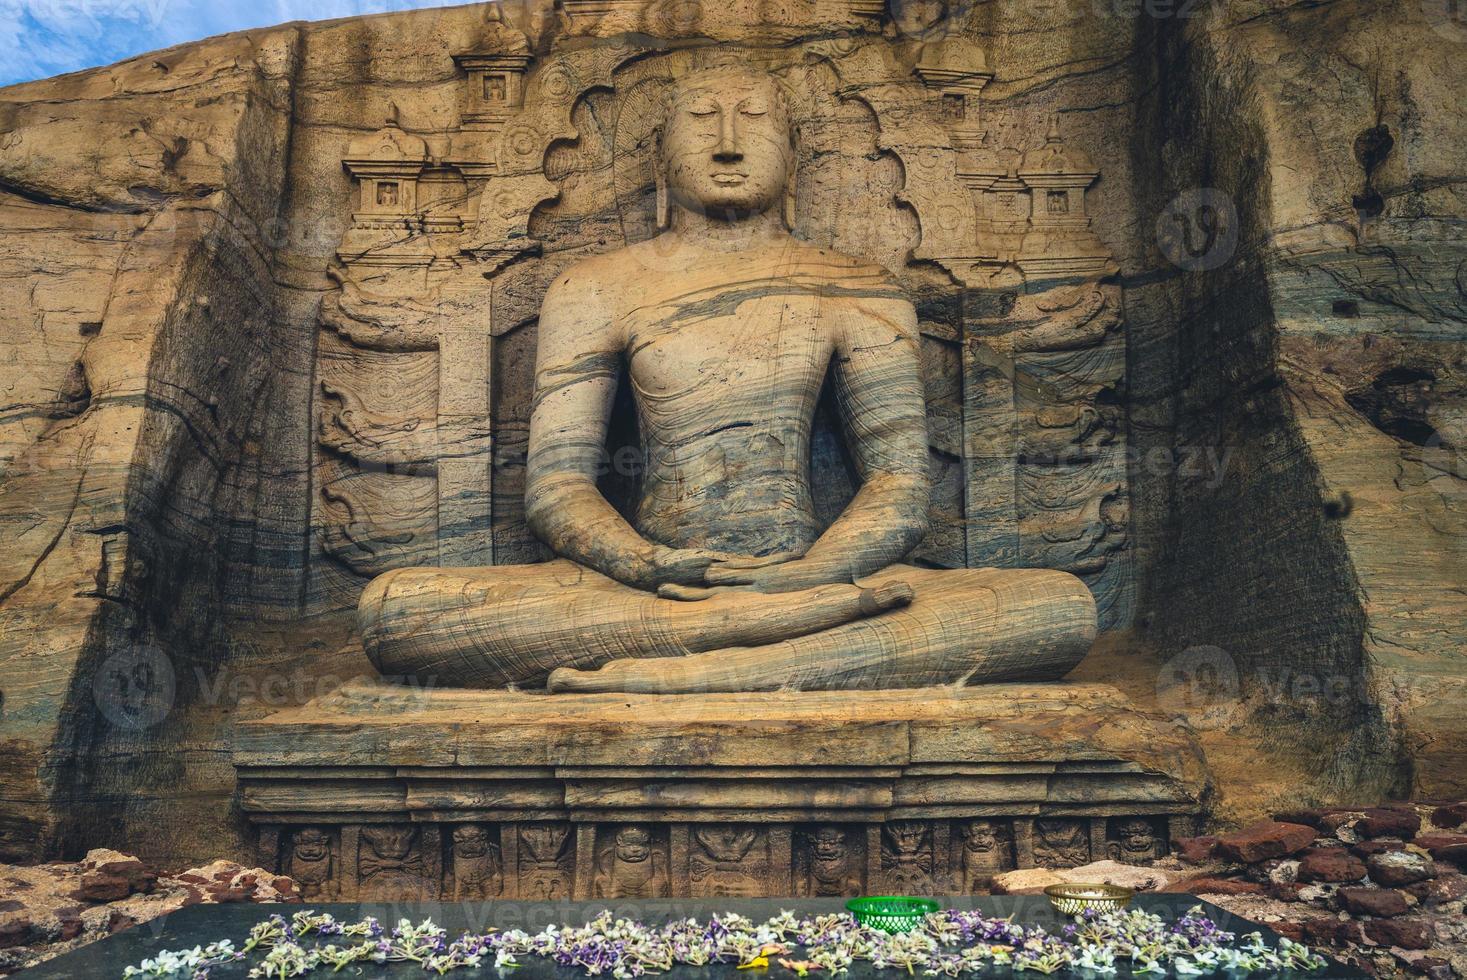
728	328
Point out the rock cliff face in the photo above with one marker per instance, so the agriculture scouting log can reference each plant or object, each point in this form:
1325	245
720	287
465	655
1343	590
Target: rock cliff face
239	377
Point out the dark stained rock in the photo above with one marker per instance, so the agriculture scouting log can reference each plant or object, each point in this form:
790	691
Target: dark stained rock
1451	816
1329	931
1291	930
1439	890
1456	853
1264	840
1214	886
99	887
1368	847
15	930
1283	891
119	921
1333	820
1306	816
1389	822
1381	902
1330	864
1405	933
1396	868
1195	850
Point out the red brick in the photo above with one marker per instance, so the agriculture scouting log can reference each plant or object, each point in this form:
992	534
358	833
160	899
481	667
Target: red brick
1305	816
1439	890
1383	822
15	930
1330	864
1396	868
1381	902
1264	840
1331	931
1195	850
1405	933
1451	816
1214	886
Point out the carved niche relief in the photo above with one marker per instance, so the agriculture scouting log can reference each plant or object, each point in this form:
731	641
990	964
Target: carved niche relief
459	222
832	862
982	848
312	862
475	868
546	864
632	862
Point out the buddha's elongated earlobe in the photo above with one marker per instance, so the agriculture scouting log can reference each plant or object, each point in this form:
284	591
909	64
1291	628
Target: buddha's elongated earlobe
664	209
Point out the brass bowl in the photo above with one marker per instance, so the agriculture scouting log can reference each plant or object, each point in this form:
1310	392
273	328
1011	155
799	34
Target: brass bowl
1079	897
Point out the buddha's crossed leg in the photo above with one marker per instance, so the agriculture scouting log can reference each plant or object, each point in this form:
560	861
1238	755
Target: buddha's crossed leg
514	624
964	626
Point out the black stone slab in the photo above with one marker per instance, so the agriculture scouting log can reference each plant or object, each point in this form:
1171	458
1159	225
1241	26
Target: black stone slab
200	925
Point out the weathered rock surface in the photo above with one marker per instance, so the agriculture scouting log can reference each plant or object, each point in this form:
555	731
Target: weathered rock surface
241	377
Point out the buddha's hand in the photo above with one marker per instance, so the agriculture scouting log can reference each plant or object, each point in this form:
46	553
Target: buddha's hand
689	566
698	588
757	575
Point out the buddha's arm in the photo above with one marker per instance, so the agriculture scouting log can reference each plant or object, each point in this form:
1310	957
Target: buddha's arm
878	387
878	390
576	368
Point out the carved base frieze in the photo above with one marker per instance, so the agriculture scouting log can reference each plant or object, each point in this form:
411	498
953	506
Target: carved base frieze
384	792
547	861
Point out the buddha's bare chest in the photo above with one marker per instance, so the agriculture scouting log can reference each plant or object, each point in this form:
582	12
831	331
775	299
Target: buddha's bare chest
740	354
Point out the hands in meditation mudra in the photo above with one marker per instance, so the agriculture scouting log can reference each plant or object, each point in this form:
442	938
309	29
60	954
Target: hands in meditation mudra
725	580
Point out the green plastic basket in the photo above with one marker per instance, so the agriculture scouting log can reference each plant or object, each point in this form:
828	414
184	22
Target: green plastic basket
891	913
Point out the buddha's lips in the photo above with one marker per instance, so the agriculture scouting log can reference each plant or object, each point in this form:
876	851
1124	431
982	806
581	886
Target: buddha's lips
729	177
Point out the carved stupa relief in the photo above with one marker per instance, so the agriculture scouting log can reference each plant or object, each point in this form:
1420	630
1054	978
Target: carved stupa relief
458	225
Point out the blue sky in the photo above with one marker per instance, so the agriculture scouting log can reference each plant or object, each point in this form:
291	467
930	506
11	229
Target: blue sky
39	38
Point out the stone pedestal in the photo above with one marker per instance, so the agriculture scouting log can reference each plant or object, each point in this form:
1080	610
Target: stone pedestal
385	792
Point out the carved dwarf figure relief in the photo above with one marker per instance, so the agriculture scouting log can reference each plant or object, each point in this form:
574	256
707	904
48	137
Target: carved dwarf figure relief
632	867
721	866
833	873
987	850
310	862
1136	841
906	857
727	328
1060	843
476	868
543	872
387	865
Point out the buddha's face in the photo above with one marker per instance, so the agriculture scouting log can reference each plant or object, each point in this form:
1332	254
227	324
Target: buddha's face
726	147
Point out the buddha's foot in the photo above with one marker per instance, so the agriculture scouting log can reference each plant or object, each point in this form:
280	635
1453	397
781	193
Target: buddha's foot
688	673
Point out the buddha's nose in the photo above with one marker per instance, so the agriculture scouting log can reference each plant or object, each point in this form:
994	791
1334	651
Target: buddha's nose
728	141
